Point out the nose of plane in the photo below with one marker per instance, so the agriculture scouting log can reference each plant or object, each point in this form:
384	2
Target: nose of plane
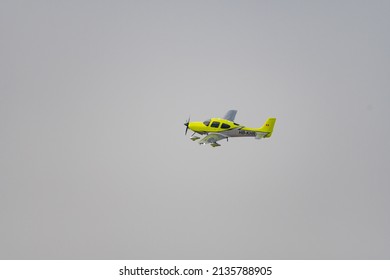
190	125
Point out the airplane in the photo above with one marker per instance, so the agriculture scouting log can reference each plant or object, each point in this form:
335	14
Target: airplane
217	129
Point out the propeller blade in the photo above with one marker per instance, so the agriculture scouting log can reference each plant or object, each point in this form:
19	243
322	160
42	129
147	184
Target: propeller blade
186	124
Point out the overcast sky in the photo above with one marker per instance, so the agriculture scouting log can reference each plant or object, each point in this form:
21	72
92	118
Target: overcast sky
94	163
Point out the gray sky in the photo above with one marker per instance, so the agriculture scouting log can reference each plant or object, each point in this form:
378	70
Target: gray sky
94	163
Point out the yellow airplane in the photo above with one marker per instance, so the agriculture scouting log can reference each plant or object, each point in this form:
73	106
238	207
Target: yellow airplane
222	128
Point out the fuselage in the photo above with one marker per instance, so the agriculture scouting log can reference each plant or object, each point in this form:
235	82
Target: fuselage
225	127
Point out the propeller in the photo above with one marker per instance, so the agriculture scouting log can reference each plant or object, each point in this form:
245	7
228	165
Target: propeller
186	124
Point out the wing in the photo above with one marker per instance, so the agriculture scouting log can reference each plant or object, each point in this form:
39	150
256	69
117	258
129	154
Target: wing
212	139
230	115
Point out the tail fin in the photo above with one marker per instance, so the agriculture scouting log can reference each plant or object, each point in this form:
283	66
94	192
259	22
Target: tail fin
268	127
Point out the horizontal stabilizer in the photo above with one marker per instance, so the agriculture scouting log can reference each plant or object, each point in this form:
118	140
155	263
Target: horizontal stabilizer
260	135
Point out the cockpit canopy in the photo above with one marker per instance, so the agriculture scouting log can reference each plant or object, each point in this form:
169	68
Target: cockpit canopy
216	124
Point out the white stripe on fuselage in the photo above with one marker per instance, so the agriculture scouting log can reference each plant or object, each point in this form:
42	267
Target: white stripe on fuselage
238	132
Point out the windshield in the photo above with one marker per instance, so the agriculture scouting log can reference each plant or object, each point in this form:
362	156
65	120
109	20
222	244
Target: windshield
206	122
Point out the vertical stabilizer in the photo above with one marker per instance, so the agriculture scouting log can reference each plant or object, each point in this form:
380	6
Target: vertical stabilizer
268	127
